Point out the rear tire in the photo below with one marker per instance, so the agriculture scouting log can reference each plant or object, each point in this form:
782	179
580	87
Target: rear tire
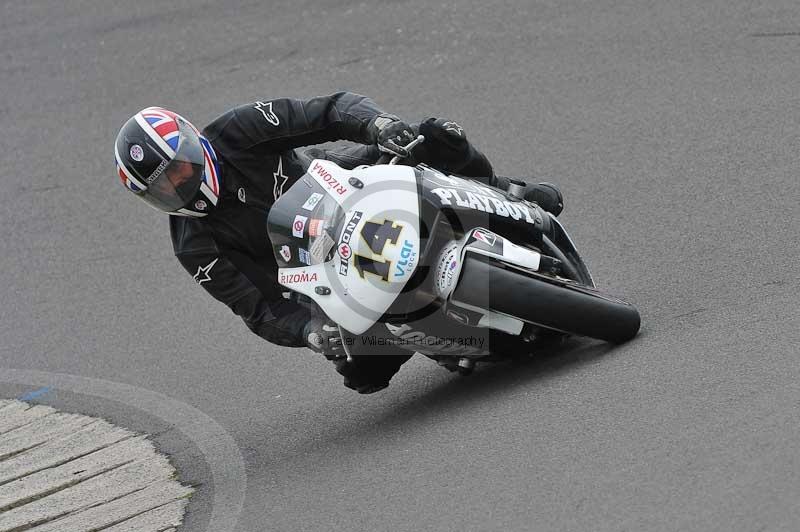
560	305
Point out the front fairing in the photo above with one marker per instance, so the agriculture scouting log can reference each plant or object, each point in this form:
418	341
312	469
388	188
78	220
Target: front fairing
369	223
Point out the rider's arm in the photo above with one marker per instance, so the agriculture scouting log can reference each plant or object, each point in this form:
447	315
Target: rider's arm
285	123
238	281
272	317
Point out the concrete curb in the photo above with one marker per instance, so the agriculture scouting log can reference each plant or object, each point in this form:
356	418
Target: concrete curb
69	472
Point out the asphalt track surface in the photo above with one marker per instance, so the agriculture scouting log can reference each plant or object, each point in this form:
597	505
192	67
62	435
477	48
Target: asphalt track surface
672	128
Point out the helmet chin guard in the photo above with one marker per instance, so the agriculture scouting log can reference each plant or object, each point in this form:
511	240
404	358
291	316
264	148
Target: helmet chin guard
162	158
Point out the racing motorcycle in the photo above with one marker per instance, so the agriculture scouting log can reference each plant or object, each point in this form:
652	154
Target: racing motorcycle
410	258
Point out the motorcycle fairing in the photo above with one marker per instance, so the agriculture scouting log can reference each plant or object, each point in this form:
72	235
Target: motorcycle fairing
562	241
377	244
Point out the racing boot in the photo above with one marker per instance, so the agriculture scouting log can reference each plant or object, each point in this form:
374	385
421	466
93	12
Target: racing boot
546	195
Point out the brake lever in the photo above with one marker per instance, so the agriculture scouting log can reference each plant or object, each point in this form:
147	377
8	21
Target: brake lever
410	146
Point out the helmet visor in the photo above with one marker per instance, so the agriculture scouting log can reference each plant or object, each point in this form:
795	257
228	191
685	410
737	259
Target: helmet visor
173	185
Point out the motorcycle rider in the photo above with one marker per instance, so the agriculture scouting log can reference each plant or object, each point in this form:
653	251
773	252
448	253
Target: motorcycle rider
219	184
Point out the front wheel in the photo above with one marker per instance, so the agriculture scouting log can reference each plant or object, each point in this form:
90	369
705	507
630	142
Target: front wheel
548	302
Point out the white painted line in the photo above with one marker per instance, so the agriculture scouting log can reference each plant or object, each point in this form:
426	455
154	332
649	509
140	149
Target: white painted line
68	472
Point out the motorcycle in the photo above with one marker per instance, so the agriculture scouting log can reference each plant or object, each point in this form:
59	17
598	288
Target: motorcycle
409	258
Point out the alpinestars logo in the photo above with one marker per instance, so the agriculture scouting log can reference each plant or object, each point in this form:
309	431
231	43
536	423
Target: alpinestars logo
453	127
202	274
269	115
280	180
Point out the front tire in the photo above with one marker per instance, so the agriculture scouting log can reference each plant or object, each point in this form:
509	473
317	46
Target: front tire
548	302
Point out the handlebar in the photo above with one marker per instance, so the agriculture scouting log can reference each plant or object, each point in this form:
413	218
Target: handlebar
386	158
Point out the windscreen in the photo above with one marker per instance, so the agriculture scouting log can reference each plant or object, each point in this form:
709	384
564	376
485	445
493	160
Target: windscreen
303	225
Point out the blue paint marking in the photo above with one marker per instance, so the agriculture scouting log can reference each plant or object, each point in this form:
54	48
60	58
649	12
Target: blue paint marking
34	394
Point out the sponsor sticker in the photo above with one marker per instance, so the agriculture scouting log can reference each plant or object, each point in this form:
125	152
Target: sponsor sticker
286	253
347	235
407	261
344	251
316	227
312	201
321	247
137	153
296	277
484	236
485	202
446	266
303	255
330	181
299	226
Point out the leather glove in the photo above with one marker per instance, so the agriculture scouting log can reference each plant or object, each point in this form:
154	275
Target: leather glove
445	134
323	337
448	129
446	146
391	134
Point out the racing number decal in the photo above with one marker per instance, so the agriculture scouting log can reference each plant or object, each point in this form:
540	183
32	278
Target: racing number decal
377	236
375	267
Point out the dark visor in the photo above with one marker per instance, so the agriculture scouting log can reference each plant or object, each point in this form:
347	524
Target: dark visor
173	186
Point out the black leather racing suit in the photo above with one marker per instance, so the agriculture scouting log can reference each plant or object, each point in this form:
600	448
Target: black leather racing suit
228	252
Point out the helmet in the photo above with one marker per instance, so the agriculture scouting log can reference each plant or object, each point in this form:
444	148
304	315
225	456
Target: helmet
163	159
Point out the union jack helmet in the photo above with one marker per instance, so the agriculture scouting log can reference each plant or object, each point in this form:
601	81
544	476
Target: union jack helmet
162	158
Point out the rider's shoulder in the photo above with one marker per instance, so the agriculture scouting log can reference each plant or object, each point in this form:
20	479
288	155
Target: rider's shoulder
190	235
